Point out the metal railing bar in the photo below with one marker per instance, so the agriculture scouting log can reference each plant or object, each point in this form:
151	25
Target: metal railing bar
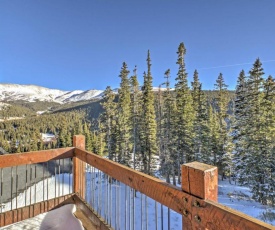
16	187
1	193
11	185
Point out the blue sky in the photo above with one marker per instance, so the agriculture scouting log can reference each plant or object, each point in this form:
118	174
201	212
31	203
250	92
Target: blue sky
81	44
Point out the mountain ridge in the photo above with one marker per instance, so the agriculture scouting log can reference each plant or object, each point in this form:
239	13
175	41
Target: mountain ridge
32	93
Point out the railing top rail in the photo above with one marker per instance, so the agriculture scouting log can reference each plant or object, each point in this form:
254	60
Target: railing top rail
211	214
10	160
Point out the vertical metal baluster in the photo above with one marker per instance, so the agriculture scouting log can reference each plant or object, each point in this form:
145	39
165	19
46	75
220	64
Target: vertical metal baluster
30	184
48	180
168	218
35	183
55	179
90	183
111	200
126	210
97	190
107	199
119	205
94	202
91	188
161	217
146	212
129	206
115	204
16	187
80	175
26	184
1	192
141	210
70	174
63	176
100	192
43	165
59	177
156	214
11	185
133	208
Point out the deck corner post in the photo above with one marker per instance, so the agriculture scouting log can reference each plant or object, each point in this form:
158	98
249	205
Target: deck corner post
199	180
79	174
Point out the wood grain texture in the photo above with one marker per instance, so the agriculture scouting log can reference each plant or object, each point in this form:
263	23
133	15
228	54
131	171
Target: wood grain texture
16	159
198	213
200	180
89	219
79	172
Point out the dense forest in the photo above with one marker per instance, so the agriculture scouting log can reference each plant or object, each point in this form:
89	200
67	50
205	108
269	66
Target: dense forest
150	131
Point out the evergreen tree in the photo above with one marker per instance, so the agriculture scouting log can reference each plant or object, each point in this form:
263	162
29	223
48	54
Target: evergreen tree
135	116
124	117
108	123
185	114
221	104
168	157
148	134
201	129
240	117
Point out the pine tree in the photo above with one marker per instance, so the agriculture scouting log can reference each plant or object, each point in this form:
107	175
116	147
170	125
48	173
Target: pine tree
213	136
221	104
168	157
267	159
148	134
135	116
201	129
185	114
240	117
251	168
108	123
124	119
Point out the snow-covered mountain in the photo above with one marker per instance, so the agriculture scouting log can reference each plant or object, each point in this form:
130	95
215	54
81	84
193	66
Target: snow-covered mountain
31	93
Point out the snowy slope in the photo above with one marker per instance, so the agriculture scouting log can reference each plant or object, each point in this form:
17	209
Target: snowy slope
11	92
32	93
83	96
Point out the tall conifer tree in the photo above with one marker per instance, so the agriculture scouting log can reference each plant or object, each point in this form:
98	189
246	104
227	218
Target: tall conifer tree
185	114
124	117
148	135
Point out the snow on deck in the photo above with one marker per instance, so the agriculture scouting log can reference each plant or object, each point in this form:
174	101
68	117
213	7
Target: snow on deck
29	224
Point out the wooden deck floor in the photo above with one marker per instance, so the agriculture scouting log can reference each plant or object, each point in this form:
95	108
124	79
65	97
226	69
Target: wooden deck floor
29	224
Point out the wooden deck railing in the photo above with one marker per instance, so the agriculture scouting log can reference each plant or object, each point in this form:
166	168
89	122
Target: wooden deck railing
196	201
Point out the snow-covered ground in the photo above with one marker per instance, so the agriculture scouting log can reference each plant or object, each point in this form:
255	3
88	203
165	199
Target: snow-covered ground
240	198
115	199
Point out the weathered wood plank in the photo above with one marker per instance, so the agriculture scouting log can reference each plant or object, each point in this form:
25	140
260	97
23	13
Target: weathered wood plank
200	180
216	216
79	167
89	219
16	159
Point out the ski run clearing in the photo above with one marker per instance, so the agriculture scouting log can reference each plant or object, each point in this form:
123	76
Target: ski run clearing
231	195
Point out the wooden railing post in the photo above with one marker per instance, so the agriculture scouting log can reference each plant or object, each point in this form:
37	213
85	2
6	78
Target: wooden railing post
199	180
79	174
